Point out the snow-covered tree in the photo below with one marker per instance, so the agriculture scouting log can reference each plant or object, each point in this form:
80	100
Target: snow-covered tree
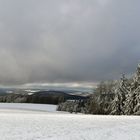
121	92
132	105
116	98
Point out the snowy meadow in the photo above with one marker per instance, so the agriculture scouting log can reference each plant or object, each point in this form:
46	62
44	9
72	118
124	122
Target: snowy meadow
42	122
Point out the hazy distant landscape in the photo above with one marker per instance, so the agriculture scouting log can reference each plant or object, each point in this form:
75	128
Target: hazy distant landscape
69	70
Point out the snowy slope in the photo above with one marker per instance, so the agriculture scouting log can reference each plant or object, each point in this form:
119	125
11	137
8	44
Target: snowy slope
24	106
39	125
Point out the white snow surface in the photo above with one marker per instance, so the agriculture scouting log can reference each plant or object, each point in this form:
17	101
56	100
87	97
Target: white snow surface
32	107
41	122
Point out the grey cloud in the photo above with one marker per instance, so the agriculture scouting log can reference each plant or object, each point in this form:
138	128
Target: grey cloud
68	41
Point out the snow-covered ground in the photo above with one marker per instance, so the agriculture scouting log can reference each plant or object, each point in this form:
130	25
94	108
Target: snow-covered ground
31	107
32	124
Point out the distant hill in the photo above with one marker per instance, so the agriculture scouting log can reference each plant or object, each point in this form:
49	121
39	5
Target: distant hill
41	97
53	97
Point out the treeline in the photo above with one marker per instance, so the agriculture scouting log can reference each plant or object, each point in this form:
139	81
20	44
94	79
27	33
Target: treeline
112	97
18	98
73	106
13	98
41	97
98	103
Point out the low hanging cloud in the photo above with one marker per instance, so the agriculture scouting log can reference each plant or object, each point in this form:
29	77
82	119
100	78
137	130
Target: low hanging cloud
54	41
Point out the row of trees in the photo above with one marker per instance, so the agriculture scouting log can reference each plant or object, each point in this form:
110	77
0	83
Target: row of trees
37	98
73	106
112	97
98	103
127	96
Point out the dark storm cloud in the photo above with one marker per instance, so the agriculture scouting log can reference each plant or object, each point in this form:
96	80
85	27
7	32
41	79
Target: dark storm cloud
68	41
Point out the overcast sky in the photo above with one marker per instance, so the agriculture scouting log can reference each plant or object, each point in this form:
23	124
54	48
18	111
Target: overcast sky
76	41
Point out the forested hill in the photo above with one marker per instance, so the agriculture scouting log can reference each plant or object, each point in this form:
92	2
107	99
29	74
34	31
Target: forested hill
41	97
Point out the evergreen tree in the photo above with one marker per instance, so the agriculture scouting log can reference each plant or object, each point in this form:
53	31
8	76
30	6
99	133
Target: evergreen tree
132	105
121	92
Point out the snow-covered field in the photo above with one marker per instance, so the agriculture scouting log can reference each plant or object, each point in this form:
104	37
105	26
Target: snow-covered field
41	122
28	107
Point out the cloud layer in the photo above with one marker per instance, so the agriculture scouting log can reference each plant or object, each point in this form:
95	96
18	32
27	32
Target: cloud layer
68	41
